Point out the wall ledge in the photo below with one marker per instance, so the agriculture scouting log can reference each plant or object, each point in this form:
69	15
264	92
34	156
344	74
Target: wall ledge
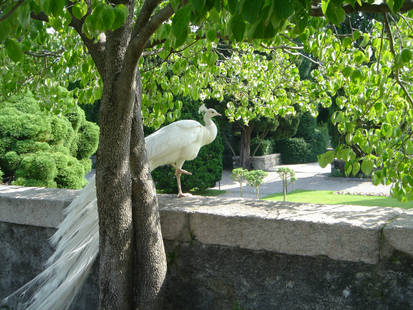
346	233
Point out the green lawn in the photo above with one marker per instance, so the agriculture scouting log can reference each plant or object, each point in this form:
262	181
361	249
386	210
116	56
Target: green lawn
328	197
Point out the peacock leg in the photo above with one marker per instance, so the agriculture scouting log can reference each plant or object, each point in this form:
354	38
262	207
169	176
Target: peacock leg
178	172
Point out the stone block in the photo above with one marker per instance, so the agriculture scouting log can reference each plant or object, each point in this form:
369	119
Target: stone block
34	206
399	233
348	233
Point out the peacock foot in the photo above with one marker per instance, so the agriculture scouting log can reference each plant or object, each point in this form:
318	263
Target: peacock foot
182	171
181	195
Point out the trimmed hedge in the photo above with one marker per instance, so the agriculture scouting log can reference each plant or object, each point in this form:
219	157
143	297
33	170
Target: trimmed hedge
308	142
206	168
38	148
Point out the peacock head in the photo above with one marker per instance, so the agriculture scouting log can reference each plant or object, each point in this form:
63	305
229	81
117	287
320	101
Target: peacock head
208	112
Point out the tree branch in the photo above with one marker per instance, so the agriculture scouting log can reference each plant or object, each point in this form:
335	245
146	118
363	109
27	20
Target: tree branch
365	7
397	72
45	53
96	49
19	3
147	9
139	41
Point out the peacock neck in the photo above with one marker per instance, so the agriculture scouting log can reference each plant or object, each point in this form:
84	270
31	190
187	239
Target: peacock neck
211	130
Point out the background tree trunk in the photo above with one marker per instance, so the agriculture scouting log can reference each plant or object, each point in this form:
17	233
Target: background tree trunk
245	158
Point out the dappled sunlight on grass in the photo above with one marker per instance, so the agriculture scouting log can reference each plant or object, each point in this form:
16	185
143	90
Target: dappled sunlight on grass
329	197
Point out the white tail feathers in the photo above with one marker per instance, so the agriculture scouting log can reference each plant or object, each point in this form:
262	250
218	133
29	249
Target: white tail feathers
77	245
202	109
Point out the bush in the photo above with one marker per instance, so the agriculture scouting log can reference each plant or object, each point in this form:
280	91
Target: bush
266	147
294	150
38	148
206	168
308	142
306	126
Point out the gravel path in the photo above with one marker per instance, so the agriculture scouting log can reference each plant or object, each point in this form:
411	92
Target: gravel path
309	177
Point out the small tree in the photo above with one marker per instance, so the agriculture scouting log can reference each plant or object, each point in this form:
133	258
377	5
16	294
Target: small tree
255	178
284	173
239	175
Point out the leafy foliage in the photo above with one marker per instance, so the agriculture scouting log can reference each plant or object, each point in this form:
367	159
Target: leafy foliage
42	149
239	175
285	174
255	179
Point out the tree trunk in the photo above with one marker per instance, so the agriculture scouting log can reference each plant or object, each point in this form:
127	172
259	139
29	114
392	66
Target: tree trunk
245	158
150	266
113	177
113	188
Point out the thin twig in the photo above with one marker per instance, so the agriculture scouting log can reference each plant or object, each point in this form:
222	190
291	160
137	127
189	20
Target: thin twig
406	21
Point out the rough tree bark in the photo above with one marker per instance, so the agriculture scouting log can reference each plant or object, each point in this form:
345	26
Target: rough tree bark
150	265
244	155
132	264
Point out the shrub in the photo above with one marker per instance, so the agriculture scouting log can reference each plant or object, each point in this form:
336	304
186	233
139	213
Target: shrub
206	168
255	179
38	148
266	147
306	126
239	175
294	150
308	142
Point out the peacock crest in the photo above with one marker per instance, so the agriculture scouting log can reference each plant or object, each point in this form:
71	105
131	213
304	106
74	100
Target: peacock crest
202	109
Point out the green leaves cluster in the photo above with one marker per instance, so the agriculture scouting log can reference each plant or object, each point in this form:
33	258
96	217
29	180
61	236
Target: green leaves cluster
239	175
103	17
254	178
375	112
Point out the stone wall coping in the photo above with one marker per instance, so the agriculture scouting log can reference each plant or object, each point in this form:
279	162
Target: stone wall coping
341	232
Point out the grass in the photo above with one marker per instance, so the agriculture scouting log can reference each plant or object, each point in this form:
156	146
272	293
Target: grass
328	197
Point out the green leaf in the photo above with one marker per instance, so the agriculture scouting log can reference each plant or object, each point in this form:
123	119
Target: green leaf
121	13
198	5
326	158
283	9
251	10
46	6
324	6
348	167
237	25
356	168
335	13
180	24
5	30
357	76
14	50
79	10
395	5
409	147
211	35
406	55
57	7
367	166
232	6
356	34
109	16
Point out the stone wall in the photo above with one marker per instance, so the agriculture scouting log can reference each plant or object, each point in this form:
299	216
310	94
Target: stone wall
240	254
